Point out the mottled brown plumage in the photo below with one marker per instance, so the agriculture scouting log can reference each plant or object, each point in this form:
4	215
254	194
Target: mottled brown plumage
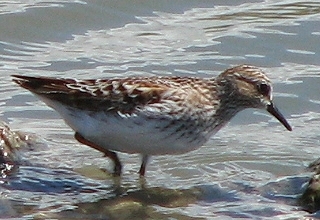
153	115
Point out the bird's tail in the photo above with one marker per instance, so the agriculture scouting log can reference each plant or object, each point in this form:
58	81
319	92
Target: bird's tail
40	85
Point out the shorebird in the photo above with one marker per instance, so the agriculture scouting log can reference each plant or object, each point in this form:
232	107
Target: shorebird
153	115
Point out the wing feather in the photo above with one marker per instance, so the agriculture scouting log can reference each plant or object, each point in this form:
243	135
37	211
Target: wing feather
122	95
165	94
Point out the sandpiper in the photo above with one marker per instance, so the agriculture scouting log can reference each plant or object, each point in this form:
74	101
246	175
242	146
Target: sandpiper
153	115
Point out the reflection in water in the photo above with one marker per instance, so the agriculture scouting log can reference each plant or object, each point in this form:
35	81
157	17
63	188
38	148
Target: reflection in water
45	193
96	201
144	203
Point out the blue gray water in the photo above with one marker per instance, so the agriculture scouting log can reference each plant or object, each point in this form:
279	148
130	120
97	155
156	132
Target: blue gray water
253	168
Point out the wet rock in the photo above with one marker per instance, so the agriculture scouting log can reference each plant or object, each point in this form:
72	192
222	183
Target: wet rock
310	199
315	166
10	144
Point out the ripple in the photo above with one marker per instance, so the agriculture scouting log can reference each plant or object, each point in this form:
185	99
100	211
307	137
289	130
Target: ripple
251	169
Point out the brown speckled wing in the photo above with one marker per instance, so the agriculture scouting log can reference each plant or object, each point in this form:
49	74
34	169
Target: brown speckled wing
122	95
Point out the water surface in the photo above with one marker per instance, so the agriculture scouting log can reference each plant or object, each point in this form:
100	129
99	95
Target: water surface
253	168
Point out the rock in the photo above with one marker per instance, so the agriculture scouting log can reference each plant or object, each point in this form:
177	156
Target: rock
310	199
10	144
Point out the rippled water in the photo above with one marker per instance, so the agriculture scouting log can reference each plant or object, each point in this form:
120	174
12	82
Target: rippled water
253	168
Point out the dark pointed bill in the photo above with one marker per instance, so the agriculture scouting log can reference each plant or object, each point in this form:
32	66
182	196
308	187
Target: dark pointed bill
276	113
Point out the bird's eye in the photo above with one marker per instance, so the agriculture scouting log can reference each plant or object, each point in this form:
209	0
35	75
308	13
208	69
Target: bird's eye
264	89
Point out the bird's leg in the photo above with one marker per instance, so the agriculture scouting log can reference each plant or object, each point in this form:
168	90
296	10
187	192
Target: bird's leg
112	155
142	170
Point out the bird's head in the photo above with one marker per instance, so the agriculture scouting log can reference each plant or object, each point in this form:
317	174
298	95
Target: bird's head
248	87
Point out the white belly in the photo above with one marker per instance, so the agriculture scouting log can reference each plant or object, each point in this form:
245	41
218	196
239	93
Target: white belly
134	134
